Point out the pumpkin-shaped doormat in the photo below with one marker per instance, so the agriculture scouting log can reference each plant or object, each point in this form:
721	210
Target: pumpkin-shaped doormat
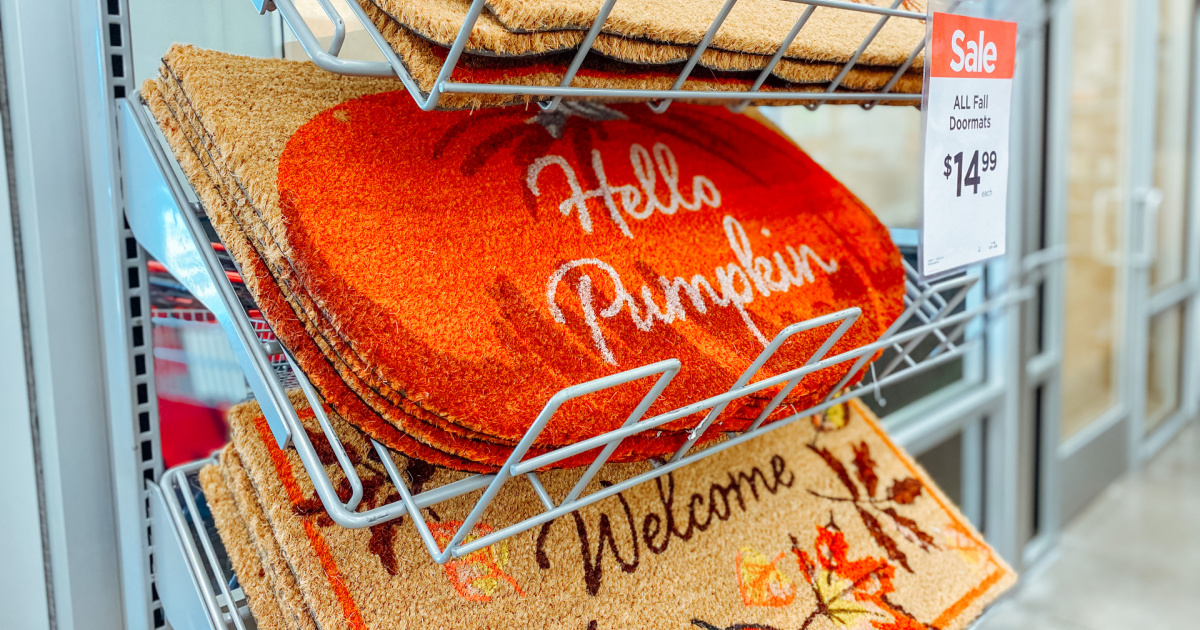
823	524
441	276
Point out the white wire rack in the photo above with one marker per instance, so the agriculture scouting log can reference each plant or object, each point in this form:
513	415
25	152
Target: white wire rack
550	97
168	227
194	577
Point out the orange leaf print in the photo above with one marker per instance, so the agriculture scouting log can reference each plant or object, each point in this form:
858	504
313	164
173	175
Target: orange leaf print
760	580
846	590
479	575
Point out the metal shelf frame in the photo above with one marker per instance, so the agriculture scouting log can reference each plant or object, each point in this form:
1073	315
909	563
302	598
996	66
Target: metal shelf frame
550	97
171	229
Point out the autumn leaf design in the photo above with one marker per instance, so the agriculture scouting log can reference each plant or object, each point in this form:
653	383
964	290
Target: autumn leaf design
871	505
761	582
479	575
905	491
373	479
842	587
910	530
847	592
975	553
838	469
865	467
882	538
377	490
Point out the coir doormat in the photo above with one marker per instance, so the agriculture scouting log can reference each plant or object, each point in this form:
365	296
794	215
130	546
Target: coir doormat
821	524
752	26
424	62
440	21
231	527
444	347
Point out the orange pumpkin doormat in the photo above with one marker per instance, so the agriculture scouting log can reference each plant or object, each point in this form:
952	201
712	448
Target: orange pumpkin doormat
820	525
440	276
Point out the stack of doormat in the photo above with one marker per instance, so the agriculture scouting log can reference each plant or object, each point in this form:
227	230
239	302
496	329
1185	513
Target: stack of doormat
440	277
645	45
822	524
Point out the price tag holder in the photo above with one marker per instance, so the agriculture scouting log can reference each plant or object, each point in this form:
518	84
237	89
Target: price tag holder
966	108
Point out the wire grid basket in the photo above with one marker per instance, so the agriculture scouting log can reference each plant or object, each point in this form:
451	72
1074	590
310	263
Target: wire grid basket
161	218
935	309
550	97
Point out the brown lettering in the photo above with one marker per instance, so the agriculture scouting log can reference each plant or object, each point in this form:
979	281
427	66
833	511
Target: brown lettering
700	515
594	570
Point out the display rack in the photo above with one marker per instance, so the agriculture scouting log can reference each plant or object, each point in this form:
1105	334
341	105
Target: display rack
550	97
171	229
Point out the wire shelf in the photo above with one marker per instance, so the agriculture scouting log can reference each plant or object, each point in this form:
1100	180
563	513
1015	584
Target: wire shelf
937	314
194	576
549	98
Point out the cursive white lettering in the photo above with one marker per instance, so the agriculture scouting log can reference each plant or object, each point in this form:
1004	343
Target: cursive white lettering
646	168
737	282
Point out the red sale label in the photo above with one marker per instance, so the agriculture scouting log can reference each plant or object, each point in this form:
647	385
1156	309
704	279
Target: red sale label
972	47
969	90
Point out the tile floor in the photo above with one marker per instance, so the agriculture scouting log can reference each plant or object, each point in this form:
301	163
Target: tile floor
1131	560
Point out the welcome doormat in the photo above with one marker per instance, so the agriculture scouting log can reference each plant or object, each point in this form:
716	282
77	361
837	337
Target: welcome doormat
231	527
822	524
349	204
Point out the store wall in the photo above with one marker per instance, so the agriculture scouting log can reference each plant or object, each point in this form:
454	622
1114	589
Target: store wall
229	25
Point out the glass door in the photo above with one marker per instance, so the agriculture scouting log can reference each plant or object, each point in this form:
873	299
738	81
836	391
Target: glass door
1095	417
1165	268
1130	305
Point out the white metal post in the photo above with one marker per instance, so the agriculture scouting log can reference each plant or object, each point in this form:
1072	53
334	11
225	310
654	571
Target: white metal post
41	51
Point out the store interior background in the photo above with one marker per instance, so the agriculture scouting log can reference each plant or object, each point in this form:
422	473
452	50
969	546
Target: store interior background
1069	437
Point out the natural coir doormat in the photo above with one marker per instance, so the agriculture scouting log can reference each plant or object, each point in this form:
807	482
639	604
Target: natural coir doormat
261	538
822	524
440	21
752	26
876	277
372	387
231	527
424	62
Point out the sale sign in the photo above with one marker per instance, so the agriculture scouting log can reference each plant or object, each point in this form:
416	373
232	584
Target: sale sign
966	141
